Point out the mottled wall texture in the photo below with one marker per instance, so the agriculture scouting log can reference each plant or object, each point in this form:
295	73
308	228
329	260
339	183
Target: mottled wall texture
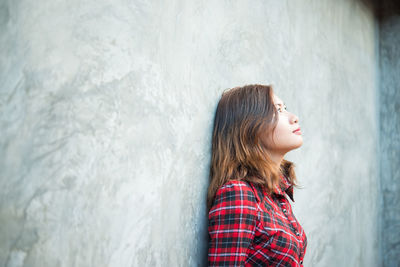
390	131
106	109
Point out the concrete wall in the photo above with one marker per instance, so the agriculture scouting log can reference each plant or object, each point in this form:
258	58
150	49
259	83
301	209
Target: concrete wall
390	131
106	114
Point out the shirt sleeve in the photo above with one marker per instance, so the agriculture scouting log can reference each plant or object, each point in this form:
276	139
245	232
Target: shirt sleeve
232	222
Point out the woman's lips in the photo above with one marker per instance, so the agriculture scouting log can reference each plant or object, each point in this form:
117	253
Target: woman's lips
297	131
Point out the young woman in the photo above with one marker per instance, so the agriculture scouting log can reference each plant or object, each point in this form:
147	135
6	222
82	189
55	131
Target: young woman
251	222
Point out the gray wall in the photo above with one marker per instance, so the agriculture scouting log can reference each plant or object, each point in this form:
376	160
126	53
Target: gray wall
390	131
106	114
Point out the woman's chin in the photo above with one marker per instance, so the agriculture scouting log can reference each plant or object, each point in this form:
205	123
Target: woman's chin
298	144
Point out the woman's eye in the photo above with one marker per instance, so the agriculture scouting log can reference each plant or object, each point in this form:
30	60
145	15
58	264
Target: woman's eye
280	109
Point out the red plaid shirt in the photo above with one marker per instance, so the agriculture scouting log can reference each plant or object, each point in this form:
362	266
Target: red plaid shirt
249	227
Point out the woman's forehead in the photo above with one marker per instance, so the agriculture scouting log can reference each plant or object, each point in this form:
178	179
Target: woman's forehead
277	100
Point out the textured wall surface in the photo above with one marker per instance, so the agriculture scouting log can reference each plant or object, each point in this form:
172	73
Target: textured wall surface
106	111
390	132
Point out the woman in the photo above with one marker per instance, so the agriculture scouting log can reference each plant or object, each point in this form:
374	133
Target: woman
250	218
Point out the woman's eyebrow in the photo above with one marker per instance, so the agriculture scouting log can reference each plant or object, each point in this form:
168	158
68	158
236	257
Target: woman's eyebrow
279	104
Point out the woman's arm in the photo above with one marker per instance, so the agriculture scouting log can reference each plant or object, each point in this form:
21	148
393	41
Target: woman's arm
232	221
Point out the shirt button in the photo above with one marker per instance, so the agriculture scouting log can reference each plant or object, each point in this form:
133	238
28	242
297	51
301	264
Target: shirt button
284	210
297	233
301	262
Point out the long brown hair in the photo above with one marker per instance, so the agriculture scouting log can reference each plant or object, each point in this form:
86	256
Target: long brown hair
242	115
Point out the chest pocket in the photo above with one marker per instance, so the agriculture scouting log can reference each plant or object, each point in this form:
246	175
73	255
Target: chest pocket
280	232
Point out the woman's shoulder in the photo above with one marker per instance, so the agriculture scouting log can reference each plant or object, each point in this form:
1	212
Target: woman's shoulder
234	197
236	184
239	189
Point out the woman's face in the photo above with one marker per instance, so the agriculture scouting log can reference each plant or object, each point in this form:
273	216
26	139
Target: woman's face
284	138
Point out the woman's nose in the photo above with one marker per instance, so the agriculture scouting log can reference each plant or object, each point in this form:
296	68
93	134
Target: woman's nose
295	119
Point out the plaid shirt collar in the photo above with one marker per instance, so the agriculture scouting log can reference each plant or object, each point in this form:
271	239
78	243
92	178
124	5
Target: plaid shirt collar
285	187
